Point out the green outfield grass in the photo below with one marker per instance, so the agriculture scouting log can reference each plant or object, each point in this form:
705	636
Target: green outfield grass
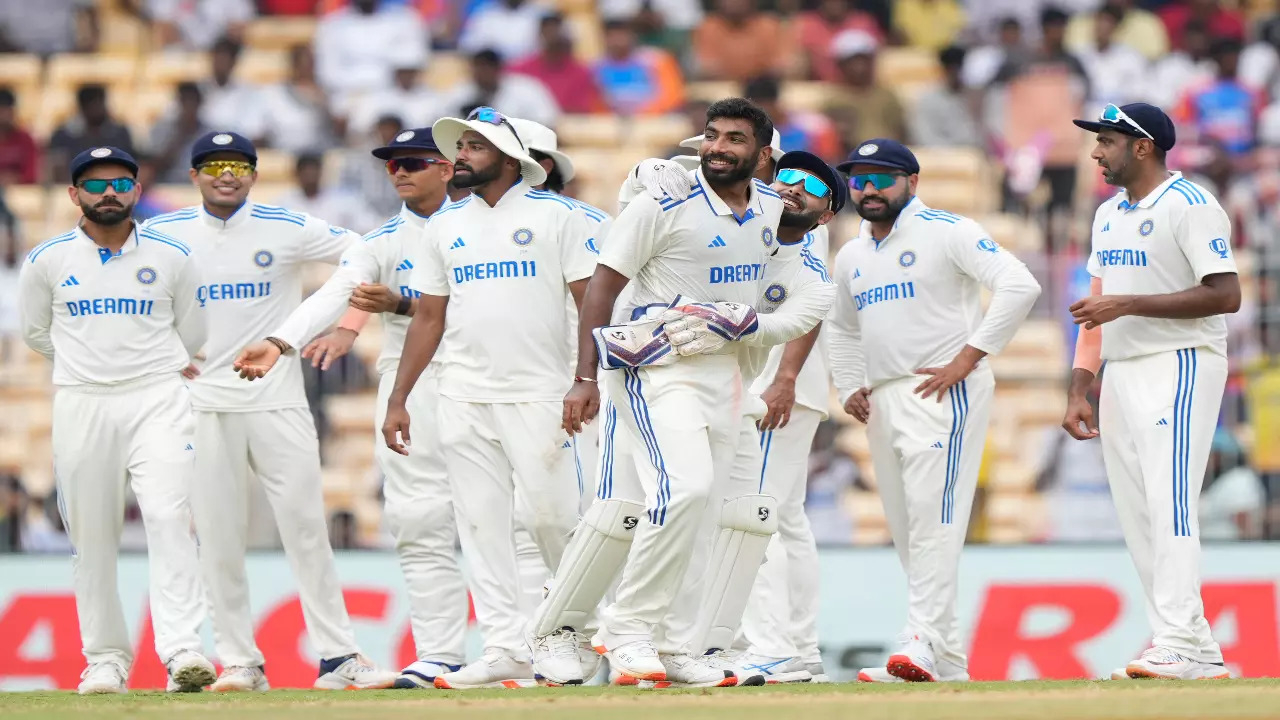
1206	700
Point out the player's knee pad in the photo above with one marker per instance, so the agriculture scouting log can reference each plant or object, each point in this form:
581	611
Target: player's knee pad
747	523
590	563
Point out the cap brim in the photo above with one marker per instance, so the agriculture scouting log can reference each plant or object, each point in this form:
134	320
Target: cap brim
447	132
1095	126
849	164
692	143
109	160
563	163
386	152
197	159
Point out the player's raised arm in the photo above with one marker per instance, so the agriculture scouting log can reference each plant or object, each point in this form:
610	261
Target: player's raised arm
35	306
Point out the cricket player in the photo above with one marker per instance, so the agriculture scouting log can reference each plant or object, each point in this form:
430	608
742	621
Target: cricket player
114	307
495	270
907	342
712	248
374	276
1163	277
251	257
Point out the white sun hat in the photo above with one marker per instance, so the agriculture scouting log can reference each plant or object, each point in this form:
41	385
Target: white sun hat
688	162
497	129
537	136
775	147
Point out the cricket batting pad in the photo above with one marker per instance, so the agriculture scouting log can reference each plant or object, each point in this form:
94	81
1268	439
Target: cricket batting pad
746	525
595	555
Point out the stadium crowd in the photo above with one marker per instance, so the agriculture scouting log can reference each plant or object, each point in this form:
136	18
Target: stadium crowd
989	85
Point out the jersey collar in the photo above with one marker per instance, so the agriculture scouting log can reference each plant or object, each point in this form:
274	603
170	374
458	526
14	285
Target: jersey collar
414	219
1152	196
755	207
913	207
238	217
104	254
515	191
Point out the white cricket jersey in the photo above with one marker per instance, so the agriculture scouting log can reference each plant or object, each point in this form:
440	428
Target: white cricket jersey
913	299
599	222
384	258
696	248
1165	243
251	265
104	318
506	271
794	271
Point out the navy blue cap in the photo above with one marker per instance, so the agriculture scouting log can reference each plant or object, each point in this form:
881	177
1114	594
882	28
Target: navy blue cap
101	156
884	153
413	139
219	142
1149	118
812	164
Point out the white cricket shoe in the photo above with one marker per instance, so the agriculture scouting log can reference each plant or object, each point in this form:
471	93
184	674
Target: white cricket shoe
1213	671
947	672
1163	664
189	672
772	670
913	661
636	660
490	671
353	672
422	674
241	678
1120	674
103	678
817	673
557	657
688	671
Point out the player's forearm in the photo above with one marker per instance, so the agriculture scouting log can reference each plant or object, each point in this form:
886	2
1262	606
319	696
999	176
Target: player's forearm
420	345
322	309
795	317
795	354
354	319
39	340
1081	381
1011	301
1217	295
597	307
846	359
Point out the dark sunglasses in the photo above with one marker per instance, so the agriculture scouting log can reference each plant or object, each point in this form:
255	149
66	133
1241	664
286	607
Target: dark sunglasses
881	181
812	185
493	117
412	164
97	187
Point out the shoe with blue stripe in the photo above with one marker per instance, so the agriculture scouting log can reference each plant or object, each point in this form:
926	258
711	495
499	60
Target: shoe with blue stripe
772	670
422	674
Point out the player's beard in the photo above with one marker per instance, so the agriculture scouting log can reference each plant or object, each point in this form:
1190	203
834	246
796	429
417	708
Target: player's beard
1117	173
889	211
742	169
797	219
464	176
108	214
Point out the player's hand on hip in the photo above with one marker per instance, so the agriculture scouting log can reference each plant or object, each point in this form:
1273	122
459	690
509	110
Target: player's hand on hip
664	179
395	428
374	298
581	404
859	405
326	349
1098	309
191	372
942	379
256	360
779	398
1080	413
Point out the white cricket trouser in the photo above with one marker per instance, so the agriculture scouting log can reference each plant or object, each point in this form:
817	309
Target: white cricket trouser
280	448
782	616
926	456
494	453
533	571
682	423
1157	416
419	508
142	434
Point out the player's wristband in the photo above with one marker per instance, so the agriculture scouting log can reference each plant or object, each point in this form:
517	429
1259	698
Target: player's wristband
579	378
281	345
406	302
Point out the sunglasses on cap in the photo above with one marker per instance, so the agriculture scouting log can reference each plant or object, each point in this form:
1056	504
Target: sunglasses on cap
812	185
1115	115
97	187
217	168
493	117
412	164
881	181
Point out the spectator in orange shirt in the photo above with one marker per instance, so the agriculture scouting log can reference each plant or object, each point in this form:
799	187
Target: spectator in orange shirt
570	82
19	156
816	29
637	80
738	42
798	130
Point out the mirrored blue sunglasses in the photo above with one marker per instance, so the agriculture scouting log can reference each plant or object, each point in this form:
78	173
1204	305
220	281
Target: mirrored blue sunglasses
881	181
812	185
1115	115
493	117
97	187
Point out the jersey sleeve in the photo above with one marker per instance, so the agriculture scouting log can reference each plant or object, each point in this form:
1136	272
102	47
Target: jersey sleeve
1014	290
430	274
1204	236
577	260
35	306
359	264
636	236
808	305
843	336
322	242
189	319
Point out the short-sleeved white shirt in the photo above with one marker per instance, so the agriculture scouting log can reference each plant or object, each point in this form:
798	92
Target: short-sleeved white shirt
251	265
506	271
1167	242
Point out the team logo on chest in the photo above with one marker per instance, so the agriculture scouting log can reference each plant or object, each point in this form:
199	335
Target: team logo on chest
263	258
1146	227
775	293
766	236
522	237
146	275
907	258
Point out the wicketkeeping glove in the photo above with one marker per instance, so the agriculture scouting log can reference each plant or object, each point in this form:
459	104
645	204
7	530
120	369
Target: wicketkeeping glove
661	179
704	328
640	343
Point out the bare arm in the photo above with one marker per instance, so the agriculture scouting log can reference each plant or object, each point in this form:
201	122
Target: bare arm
420	344
1217	294
578	289
594	309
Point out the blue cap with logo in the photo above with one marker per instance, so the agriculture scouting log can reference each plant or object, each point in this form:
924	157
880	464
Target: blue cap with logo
412	139
101	156
1139	120
882	152
220	142
812	164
